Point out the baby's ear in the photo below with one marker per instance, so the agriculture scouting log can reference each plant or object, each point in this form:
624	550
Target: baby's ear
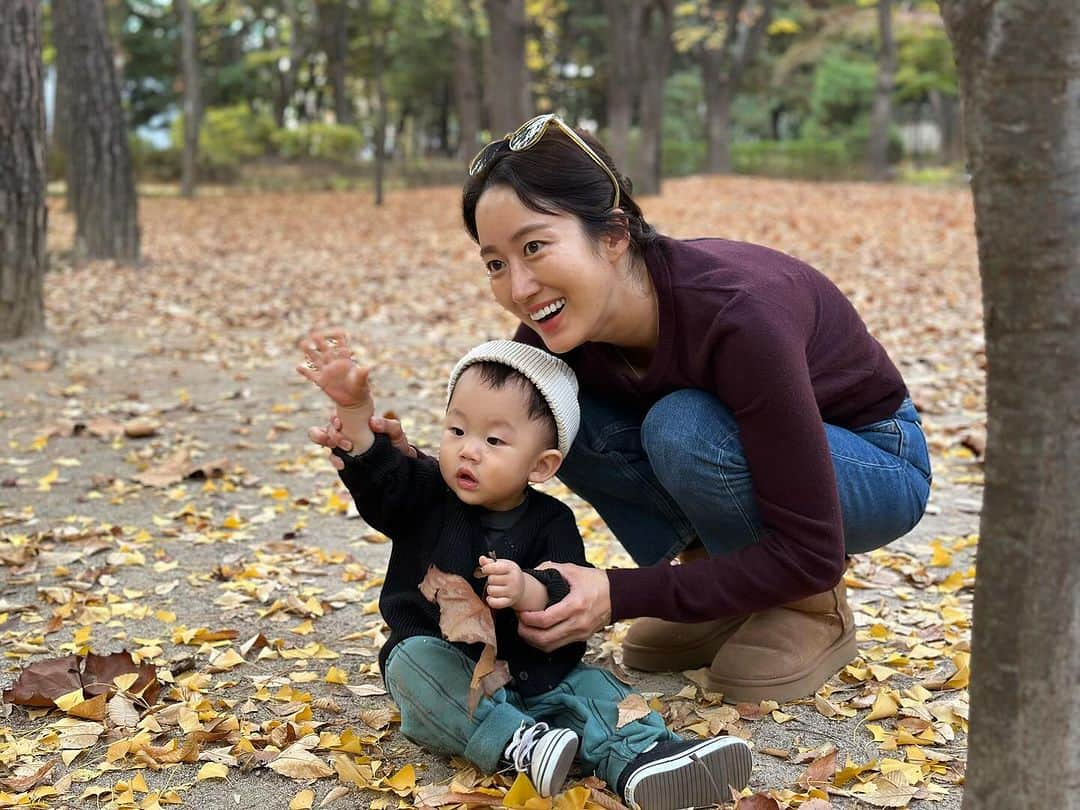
547	464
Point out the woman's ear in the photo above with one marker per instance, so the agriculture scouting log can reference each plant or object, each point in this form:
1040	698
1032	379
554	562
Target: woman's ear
547	464
617	240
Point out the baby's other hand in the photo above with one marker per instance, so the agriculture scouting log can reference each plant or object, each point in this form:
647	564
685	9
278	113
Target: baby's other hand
328	363
505	582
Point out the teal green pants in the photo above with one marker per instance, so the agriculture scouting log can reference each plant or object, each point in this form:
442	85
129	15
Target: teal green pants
429	680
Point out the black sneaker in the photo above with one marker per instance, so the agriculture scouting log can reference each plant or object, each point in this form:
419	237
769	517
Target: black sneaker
544	753
686	773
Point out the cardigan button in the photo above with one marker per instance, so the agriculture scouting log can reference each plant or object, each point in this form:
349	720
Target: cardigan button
523	676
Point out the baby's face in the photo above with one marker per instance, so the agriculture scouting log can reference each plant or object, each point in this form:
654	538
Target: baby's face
490	446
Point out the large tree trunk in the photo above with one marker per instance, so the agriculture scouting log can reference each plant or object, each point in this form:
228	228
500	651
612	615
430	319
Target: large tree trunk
508	91
100	173
192	113
625	18
722	70
877	155
22	170
656	46
466	89
1020	87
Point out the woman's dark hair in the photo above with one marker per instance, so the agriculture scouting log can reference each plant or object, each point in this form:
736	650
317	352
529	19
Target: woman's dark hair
556	176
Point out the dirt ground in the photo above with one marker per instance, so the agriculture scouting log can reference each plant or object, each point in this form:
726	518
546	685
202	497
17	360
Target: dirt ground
196	347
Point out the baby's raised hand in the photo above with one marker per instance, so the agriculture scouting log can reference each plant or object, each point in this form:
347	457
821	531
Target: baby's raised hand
330	366
505	582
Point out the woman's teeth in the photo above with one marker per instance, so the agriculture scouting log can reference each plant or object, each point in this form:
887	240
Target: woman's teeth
548	311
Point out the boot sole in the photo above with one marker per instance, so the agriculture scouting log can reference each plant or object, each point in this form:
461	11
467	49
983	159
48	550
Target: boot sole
790	687
701	776
678	658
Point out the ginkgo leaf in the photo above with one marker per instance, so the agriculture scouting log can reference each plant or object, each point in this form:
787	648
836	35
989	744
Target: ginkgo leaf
298	763
212	770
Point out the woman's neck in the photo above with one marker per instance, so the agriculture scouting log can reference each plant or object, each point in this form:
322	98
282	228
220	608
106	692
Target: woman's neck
635	327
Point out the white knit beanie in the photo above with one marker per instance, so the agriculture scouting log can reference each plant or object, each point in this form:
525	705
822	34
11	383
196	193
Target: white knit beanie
555	380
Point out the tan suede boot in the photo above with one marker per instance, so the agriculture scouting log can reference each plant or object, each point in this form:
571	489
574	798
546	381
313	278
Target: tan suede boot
786	652
655	645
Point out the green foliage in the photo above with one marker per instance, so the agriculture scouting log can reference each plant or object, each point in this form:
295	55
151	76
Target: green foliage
926	64
843	93
228	137
318	140
803	159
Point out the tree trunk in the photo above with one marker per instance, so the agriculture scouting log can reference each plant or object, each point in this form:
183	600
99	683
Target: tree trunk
657	50
1020	88
190	63
625	19
334	25
947	116
717	114
466	90
99	162
508	93
378	46
289	76
722	71
22	170
877	156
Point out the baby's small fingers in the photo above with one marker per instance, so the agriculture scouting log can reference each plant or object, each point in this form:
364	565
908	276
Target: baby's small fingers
498	602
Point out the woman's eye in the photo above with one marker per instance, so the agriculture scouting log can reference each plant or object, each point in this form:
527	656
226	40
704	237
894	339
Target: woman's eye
532	247
494	267
494	441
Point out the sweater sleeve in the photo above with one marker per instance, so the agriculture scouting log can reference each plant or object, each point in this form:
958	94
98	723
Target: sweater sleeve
389	488
560	542
761	373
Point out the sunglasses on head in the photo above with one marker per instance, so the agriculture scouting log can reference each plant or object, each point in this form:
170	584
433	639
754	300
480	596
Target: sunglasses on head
528	135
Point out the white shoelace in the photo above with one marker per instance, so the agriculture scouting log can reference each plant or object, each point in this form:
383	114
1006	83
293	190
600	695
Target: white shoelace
519	749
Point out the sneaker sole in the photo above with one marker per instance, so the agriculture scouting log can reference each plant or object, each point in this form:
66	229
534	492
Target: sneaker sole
790	687
722	765
555	763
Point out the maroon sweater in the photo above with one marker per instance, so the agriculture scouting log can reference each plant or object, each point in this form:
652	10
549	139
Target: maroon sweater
785	350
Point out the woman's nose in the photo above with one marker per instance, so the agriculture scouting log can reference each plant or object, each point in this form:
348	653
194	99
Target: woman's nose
523	284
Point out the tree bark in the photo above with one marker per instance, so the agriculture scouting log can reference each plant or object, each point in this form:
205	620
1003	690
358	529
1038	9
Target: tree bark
881	117
378	47
334	26
100	172
722	71
508	91
466	88
1020	89
192	114
22	170
656	47
625	19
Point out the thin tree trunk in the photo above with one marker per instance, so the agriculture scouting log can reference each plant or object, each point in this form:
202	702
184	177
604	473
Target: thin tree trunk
508	90
722	71
190	62
23	214
466	90
625	18
100	172
378	53
881	118
334	28
657	49
1017	65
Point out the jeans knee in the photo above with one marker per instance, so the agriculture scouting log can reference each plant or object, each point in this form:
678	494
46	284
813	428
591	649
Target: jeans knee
688	428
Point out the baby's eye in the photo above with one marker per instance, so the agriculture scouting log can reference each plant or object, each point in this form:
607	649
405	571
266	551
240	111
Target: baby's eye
494	267
456	431
532	247
495	441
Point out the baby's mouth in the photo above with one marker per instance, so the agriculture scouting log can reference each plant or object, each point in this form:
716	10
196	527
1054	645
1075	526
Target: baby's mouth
466	480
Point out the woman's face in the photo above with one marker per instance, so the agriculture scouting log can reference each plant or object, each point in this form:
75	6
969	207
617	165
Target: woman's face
546	270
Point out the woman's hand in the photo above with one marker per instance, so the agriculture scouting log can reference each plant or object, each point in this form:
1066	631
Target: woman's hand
584	611
331	436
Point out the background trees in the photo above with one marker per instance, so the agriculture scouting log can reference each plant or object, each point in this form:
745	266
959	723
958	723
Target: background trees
772	86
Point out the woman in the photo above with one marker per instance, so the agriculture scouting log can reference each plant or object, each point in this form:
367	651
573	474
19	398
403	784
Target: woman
736	414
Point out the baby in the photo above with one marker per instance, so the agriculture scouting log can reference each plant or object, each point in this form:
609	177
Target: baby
511	417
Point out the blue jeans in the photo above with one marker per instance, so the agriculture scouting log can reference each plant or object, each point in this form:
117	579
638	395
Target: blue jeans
680	474
429	680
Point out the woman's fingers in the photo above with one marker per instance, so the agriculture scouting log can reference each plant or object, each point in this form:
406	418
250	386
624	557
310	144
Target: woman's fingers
392	429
